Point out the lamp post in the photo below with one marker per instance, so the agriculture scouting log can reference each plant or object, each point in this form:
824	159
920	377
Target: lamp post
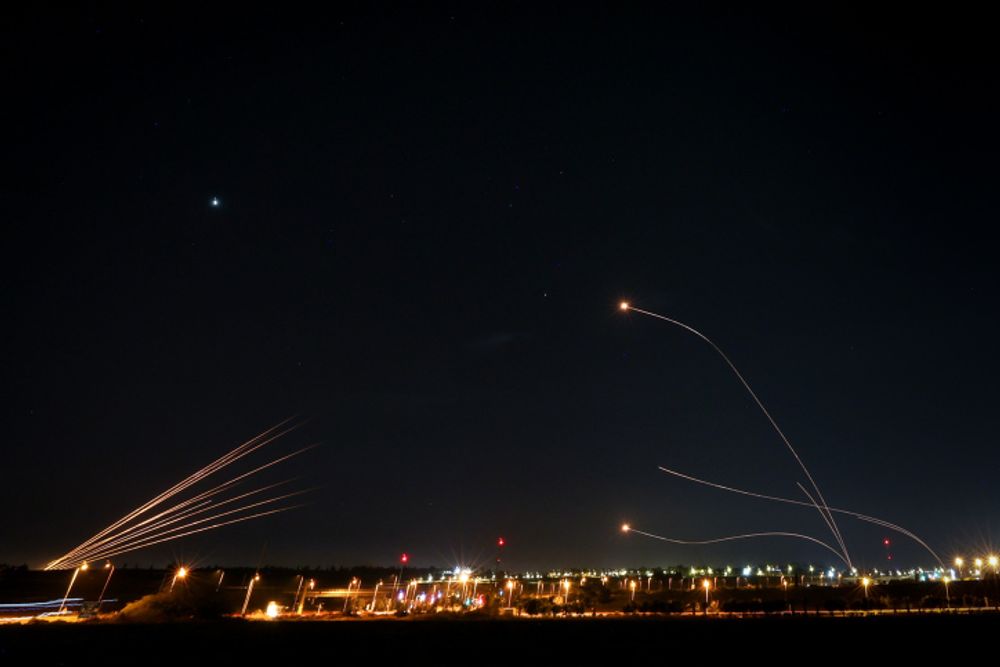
866	582
707	585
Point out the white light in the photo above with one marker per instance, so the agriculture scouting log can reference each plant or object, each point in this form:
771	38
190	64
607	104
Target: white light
215	201
272	610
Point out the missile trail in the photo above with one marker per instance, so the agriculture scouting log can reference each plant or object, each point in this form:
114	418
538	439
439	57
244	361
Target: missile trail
200	508
832	522
199	530
135	524
246	448
115	537
747	536
763	496
143	542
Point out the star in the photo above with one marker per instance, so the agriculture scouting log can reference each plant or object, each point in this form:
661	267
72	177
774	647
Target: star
215	202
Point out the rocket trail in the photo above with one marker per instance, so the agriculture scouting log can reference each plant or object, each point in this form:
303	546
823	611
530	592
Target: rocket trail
199	530
117	537
130	525
156	538
831	522
200	508
747	536
228	458
763	496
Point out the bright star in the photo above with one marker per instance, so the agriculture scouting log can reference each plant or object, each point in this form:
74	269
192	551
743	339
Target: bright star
215	202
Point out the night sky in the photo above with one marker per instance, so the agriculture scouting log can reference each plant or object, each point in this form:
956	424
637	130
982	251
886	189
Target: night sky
426	220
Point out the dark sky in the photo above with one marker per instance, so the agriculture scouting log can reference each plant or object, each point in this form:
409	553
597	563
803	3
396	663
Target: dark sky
427	219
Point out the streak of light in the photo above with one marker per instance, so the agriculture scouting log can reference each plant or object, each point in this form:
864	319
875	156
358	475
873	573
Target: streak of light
175	510
201	508
791	501
747	536
142	542
205	528
232	456
829	515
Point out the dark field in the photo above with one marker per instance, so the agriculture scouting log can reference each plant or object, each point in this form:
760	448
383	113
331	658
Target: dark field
508	641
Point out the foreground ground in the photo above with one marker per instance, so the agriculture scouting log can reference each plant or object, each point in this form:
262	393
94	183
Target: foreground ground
508	641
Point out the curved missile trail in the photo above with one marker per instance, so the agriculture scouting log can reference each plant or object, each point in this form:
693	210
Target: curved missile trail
831	522
747	536
763	496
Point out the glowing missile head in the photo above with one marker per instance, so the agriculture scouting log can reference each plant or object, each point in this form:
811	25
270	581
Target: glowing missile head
626	527
623	305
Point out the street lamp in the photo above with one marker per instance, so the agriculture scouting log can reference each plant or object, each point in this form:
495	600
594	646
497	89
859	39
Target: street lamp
866	582
707	585
510	593
947	595
959	562
566	587
993	561
632	586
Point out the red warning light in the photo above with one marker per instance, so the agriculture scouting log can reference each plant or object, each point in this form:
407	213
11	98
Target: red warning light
500	542
404	558
886	541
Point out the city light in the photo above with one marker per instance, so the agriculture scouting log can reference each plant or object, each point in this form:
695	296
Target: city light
272	609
